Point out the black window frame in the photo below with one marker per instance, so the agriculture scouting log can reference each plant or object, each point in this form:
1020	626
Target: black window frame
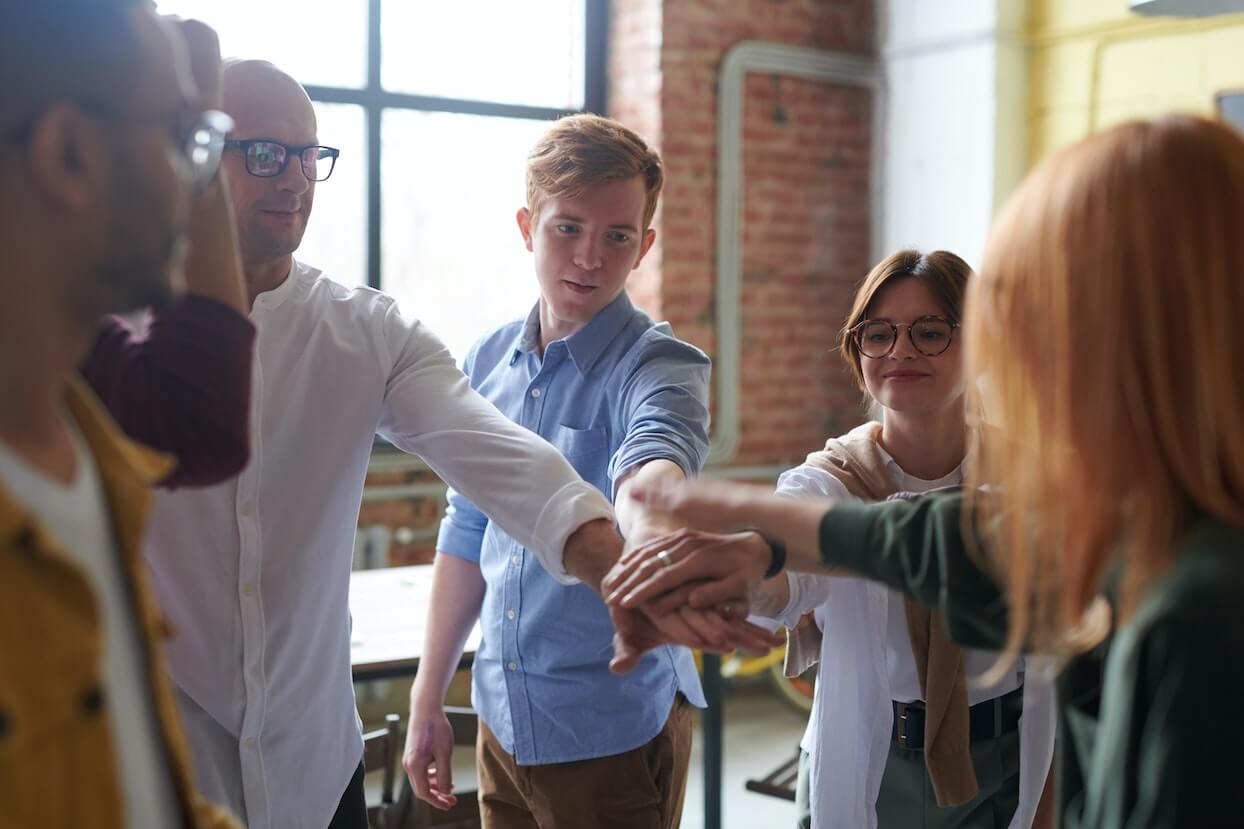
374	99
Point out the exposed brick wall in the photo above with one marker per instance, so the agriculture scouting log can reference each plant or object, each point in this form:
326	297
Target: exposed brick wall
806	232
404	516
635	98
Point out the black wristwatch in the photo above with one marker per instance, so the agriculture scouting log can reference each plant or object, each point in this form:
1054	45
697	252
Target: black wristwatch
777	556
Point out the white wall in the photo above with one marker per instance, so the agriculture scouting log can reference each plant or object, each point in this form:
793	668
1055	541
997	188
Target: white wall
952	131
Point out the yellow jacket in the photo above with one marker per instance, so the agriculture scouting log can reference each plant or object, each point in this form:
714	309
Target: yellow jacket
57	761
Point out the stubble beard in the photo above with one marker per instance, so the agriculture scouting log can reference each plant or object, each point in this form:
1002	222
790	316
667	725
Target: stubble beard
147	249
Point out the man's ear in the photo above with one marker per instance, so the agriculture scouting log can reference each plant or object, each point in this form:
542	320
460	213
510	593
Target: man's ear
650	236
66	157
523	217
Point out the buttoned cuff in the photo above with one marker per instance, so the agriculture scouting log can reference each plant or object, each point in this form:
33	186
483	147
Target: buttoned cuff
790	615
633	457
570	508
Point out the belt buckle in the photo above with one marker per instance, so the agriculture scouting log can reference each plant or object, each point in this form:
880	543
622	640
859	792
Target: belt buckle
901	727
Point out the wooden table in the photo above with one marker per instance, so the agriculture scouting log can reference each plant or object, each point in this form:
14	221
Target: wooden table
389	607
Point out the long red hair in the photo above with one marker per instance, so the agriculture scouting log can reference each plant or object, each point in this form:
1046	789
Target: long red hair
1106	328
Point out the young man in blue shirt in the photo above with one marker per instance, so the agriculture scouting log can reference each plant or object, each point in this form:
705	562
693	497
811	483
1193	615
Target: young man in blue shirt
563	741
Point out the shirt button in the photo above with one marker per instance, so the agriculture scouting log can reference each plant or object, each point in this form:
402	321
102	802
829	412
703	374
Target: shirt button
535	392
515	560
26	539
93	700
248	590
513	666
249	742
248	508
509	614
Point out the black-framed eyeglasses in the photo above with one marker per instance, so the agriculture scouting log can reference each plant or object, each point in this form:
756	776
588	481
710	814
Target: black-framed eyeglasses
267	159
931	335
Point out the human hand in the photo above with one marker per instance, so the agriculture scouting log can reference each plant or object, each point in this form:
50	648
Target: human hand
428	757
703	504
716	630
203	49
688	568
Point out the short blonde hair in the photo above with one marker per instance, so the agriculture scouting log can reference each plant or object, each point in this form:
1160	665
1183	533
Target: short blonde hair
581	151
943	273
1106	328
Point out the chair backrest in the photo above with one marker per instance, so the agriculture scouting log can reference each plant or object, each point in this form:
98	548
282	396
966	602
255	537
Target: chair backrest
382	749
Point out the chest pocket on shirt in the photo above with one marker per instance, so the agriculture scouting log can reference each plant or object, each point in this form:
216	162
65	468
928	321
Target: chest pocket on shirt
576	444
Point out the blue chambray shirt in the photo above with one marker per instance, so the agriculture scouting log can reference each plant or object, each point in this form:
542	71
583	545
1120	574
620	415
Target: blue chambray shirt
618	393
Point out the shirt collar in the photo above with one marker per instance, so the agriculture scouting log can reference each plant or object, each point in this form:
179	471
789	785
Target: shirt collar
585	345
278	295
528	339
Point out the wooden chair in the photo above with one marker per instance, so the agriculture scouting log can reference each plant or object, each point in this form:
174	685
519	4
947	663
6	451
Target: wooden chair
780	782
382	751
407	811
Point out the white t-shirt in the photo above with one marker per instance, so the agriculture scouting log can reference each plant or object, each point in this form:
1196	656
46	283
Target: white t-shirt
77	516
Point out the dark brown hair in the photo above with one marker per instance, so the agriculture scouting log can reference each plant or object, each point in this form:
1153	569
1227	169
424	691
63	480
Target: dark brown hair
943	273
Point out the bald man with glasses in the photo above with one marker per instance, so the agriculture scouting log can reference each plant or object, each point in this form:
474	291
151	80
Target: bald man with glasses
255	571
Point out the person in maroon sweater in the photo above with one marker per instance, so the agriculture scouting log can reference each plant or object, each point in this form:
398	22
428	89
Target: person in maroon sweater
182	386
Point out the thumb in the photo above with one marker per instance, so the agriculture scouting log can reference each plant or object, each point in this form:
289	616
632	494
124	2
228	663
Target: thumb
445	768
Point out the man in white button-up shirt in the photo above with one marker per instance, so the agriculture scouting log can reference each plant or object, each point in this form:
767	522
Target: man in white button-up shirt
254	573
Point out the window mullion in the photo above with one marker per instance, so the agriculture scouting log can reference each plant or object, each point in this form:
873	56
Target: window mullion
374	110
595	46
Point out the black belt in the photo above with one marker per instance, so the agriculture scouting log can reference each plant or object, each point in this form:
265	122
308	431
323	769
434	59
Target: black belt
987	720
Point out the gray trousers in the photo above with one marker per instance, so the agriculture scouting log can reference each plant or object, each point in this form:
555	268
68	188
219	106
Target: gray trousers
906	799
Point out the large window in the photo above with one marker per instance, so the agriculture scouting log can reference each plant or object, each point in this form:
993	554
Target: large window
434	106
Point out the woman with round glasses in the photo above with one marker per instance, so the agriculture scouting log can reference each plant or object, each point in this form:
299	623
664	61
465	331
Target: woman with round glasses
898	735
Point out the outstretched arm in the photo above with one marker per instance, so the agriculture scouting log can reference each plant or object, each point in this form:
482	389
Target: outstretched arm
916	547
719	628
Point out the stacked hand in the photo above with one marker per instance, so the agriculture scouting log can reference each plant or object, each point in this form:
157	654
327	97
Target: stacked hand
710	567
719	628
657	594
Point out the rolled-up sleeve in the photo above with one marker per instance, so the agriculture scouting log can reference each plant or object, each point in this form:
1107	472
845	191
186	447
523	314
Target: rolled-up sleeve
663	406
462	529
183	388
507	473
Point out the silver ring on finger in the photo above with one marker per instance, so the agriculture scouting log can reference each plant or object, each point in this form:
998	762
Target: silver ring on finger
664	558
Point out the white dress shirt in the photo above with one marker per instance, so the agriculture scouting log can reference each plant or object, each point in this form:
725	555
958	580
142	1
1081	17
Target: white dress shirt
866	663
79	519
254	573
